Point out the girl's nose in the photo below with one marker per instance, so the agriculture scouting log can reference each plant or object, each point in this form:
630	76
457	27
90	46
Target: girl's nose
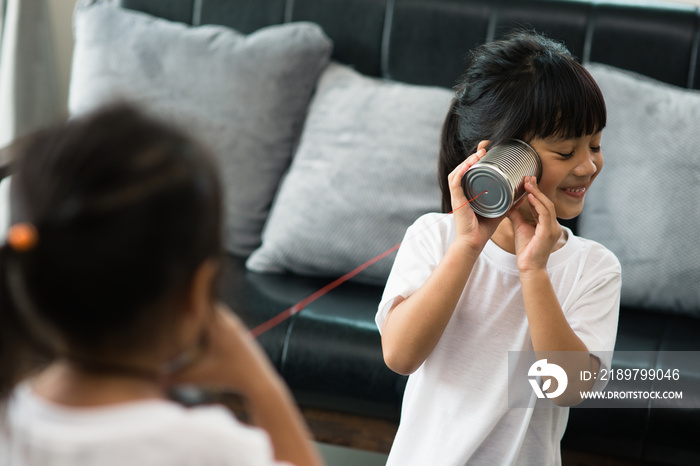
588	165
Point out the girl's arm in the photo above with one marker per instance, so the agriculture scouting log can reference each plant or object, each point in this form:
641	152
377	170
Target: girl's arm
553	338
413	326
272	406
551	334
233	360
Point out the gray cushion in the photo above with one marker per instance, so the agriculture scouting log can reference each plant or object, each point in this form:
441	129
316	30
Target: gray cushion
644	205
243	96
365	169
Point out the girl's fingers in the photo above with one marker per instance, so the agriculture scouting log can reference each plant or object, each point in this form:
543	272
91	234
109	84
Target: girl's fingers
531	186
543	211
455	178
539	210
541	203
516	217
535	207
458	198
475	157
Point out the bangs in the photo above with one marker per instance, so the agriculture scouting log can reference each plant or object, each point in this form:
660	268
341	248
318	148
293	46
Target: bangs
565	103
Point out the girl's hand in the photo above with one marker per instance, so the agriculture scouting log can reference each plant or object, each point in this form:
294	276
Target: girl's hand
233	360
475	231
534	242
230	358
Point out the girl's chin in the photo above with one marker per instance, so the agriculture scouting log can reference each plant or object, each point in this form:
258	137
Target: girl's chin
565	208
567	212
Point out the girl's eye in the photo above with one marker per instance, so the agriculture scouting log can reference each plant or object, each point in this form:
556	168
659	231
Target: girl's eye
595	149
566	156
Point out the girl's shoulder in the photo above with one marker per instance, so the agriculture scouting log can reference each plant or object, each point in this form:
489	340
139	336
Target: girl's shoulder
433	224
431	218
132	429
594	253
432	230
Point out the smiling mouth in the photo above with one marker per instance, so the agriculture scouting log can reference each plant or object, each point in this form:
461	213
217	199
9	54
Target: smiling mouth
575	192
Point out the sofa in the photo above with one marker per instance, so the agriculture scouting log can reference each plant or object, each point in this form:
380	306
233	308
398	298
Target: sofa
328	347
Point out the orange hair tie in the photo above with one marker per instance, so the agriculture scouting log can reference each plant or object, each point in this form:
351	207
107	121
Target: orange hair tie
22	237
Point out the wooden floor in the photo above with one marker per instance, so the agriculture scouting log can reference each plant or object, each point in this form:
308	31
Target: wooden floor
372	434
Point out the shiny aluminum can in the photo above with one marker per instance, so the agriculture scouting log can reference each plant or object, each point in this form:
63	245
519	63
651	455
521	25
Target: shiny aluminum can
498	179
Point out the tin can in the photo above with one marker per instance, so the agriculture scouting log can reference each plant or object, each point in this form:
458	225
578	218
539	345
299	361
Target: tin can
498	179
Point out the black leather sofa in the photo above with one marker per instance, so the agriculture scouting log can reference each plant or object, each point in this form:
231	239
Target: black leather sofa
330	352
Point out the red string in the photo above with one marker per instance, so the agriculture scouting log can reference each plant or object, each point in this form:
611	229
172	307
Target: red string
287	313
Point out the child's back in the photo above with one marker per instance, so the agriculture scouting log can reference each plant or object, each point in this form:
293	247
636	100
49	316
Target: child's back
150	432
108	276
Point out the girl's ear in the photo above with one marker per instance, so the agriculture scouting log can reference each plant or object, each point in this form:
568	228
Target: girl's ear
200	294
483	145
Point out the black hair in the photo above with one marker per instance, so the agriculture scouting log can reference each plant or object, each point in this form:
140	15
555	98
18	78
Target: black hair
126	209
523	86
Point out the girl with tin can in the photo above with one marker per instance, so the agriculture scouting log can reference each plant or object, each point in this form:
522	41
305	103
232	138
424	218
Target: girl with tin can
466	290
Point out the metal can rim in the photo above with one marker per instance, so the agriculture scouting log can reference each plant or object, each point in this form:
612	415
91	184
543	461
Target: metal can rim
493	168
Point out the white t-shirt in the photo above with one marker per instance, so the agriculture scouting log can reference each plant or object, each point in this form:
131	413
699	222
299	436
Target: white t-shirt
37	432
455	409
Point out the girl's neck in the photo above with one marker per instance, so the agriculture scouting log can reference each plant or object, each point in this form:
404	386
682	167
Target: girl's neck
504	236
64	383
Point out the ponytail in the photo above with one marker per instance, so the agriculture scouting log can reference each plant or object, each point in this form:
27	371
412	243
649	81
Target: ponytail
451	153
